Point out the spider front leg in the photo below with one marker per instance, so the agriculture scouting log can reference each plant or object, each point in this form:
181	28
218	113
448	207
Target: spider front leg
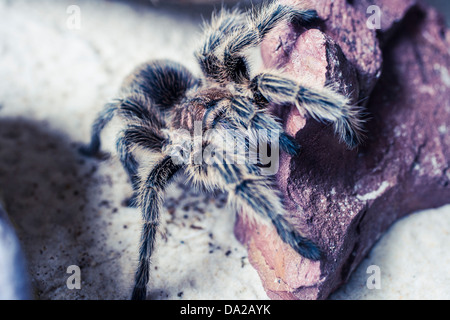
150	198
222	24
321	104
222	56
266	16
261	21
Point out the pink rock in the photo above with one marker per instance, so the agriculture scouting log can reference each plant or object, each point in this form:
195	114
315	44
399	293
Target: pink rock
345	200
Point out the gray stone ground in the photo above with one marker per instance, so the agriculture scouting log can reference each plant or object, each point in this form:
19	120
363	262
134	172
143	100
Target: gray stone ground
68	210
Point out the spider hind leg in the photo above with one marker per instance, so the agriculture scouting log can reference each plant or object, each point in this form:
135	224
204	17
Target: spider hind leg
103	118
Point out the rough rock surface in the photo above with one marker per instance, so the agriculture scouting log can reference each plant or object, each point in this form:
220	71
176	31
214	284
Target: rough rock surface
345	200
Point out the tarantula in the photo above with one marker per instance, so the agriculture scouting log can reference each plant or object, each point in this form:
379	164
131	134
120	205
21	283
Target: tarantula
160	98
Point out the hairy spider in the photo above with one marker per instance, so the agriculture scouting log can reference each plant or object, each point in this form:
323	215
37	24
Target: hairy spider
162	98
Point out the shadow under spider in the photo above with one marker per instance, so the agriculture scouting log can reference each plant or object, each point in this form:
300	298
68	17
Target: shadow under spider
45	184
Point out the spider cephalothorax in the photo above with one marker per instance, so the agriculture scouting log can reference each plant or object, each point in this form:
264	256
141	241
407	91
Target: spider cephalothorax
163	108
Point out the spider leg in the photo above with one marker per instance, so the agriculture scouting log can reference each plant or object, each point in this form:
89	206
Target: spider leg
150	199
143	135
221	57
322	104
127	159
255	193
222	27
248	189
222	24
262	19
240	114
143	132
103	118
